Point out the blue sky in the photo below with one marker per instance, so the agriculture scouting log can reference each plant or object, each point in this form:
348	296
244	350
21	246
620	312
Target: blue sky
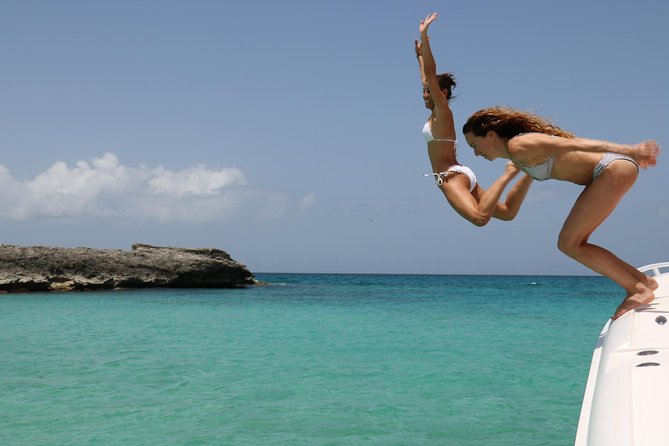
288	133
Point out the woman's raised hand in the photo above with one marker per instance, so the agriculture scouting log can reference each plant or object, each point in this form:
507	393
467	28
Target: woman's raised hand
425	24
416	44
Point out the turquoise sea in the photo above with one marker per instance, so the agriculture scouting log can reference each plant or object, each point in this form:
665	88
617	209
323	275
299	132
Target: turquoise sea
308	359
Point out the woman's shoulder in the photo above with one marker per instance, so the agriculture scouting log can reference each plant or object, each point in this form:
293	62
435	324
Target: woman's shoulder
530	139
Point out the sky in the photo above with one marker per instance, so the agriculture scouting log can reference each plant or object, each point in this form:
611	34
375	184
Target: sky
289	133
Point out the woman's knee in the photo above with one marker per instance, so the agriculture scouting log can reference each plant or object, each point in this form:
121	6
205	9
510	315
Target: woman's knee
621	174
567	245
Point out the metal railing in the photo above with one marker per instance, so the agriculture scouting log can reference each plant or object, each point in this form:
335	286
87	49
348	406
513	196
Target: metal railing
655	269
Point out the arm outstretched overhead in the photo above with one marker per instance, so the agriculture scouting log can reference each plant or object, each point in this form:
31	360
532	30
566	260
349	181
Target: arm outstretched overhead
429	74
419	57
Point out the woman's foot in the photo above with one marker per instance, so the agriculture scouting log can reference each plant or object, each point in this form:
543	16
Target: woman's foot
635	300
651	283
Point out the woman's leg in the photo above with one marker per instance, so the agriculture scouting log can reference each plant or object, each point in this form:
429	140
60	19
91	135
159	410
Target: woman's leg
593	206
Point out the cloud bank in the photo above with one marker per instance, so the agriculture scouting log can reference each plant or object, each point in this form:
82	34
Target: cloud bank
105	188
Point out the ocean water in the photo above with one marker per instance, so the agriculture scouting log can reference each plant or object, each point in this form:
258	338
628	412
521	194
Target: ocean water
308	359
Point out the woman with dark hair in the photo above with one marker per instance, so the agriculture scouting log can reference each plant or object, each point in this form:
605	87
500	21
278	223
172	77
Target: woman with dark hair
606	169
457	182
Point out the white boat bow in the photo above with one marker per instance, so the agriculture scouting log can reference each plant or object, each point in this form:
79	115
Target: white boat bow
626	399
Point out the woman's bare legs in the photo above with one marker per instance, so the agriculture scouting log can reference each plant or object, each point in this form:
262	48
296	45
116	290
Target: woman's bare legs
593	206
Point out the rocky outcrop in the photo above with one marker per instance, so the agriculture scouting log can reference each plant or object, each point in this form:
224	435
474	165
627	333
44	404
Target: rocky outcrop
39	268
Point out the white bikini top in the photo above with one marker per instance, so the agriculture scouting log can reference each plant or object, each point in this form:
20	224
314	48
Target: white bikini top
427	134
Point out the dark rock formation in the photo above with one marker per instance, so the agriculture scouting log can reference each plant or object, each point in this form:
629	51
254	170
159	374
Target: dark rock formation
38	268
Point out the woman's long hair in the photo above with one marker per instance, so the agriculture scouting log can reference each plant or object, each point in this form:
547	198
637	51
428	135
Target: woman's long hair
507	123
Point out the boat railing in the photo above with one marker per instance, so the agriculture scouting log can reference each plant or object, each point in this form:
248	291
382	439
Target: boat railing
655	269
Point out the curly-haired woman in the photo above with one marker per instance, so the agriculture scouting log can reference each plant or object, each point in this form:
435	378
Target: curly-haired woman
606	169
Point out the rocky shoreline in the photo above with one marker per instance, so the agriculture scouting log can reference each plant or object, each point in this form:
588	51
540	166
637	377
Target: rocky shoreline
40	268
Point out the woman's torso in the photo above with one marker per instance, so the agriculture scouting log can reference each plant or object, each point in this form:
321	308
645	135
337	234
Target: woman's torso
575	167
441	144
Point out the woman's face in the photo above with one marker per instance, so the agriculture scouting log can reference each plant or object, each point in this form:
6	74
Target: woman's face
427	98
490	146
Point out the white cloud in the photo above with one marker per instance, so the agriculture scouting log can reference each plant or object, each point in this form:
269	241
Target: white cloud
307	202
196	181
105	188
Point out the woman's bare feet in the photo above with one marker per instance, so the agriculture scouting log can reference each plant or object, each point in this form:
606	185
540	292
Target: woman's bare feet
651	283
637	299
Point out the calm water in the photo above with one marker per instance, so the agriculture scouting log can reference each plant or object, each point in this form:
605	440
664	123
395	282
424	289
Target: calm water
306	360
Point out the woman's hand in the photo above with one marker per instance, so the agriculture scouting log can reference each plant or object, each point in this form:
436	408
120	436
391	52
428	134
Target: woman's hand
510	169
645	153
418	48
425	24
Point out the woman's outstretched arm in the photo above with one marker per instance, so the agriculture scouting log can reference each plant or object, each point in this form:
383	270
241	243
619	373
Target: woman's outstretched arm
419	57
538	144
430	68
